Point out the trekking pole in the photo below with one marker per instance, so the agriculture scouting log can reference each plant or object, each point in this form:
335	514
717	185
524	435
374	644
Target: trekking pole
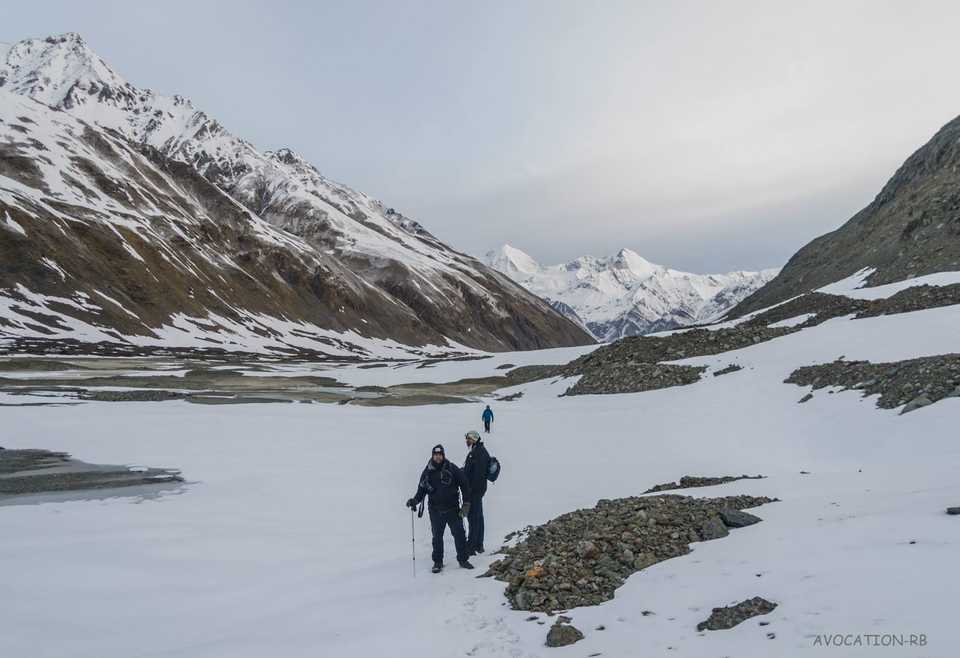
413	543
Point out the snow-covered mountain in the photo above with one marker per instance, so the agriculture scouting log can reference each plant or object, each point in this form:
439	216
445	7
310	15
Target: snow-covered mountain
190	233
627	295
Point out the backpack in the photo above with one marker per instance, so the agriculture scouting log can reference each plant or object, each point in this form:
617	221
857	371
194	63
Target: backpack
493	469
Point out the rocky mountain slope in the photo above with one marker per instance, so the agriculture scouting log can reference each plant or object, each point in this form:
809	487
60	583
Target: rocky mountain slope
626	295
911	228
130	216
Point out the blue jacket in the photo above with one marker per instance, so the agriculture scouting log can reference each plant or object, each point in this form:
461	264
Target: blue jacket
487	416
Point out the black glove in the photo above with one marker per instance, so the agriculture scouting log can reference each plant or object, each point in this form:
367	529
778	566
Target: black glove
411	503
465	510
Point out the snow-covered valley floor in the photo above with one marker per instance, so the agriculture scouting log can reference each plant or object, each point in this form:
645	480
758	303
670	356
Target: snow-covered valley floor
291	539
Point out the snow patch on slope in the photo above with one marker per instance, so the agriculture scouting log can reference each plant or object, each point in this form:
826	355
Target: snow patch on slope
251	332
12	225
852	286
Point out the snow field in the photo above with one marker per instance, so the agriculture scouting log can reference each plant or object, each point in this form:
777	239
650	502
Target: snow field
291	539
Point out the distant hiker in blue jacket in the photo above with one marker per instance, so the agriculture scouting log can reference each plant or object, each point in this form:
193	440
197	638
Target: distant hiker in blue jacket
487	419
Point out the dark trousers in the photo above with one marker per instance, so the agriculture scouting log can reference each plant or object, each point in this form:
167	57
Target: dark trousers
475	520
438	524
486	426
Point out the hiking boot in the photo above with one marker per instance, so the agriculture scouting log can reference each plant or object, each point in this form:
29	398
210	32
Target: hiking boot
465	564
478	551
437	566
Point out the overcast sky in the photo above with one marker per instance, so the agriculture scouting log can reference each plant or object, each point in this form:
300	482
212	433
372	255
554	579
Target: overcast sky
706	136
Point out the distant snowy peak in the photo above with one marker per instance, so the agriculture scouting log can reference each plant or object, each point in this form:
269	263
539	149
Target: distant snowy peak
625	294
511	260
626	261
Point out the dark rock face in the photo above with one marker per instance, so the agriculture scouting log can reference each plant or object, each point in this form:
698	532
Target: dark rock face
582	557
561	635
911	228
915	383
728	617
953	511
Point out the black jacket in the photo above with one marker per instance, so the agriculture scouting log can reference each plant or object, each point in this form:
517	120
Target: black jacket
442	485
475	467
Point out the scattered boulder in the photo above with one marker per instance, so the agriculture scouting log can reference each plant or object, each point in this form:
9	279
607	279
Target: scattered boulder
712	528
561	635
730	616
734	518
916	403
587	550
953	511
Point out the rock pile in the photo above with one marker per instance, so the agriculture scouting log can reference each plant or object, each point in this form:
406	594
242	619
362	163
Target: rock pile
680	345
633	364
692	481
634	377
582	557
728	617
914	383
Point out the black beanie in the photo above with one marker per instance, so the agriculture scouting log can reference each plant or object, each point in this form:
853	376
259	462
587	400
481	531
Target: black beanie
439	447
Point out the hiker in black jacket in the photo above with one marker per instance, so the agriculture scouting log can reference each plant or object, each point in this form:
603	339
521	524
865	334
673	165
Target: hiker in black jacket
441	483
475	468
